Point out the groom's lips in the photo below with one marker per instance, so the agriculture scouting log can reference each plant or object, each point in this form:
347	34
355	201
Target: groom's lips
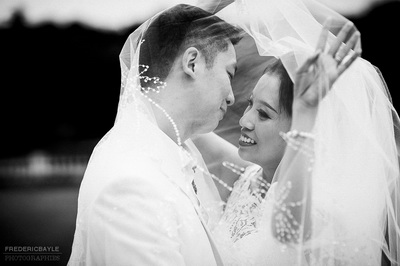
223	111
245	140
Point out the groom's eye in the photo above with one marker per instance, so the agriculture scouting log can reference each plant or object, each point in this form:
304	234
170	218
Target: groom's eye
230	75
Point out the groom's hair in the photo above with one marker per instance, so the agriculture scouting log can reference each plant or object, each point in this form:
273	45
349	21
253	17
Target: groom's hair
276	68
181	27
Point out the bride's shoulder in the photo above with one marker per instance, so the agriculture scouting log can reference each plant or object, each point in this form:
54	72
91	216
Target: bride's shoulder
250	173
246	175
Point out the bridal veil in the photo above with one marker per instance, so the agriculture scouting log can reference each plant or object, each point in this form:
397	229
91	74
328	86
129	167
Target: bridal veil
353	163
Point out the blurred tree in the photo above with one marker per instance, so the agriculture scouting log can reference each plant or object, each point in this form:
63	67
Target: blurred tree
61	83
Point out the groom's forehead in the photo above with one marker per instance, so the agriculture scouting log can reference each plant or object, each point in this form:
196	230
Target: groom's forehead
229	56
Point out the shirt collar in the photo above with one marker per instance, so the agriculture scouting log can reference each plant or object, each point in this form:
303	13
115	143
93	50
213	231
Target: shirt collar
176	162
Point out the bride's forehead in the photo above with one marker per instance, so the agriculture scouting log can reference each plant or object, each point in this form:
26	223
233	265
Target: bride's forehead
267	87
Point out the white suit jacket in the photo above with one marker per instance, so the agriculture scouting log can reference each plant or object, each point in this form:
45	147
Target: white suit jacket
138	207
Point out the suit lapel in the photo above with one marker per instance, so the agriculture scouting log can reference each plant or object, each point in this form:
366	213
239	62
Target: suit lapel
196	205
177	167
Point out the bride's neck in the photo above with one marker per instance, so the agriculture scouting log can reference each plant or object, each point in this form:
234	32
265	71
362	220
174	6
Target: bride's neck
268	174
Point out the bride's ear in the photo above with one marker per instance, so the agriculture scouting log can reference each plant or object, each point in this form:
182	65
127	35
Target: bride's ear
191	61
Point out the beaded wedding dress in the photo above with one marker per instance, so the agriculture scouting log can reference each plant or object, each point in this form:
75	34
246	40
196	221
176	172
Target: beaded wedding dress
244	231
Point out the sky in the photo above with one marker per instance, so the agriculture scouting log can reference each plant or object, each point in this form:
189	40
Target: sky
117	14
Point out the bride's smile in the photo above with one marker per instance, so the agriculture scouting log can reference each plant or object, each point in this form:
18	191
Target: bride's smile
245	140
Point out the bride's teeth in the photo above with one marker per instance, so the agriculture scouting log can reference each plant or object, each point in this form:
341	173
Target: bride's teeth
247	140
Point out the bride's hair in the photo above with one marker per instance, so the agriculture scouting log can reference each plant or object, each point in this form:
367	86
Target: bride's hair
178	28
276	68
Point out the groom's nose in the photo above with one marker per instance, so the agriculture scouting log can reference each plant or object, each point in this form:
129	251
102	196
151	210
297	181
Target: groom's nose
230	100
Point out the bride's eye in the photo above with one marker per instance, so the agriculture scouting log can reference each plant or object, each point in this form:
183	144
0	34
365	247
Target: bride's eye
250	102
263	115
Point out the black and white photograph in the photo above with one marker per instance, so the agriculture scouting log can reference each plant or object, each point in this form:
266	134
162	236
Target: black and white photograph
200	132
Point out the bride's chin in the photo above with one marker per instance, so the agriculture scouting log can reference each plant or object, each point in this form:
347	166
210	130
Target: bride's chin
245	155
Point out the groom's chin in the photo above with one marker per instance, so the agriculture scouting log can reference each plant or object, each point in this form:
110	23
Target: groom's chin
209	127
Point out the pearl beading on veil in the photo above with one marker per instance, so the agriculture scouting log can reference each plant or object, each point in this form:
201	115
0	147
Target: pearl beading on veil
287	228
155	80
174	126
291	138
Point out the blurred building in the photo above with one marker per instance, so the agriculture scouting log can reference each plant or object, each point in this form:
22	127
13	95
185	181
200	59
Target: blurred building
64	165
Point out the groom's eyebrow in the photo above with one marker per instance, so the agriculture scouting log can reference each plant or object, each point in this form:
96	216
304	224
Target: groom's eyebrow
268	105
234	67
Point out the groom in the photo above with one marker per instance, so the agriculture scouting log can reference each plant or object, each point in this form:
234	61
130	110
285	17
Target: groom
144	211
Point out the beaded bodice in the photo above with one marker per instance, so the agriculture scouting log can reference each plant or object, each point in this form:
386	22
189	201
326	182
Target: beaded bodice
243	209
244	232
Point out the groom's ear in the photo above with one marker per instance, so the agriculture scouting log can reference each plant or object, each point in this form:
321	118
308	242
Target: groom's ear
191	61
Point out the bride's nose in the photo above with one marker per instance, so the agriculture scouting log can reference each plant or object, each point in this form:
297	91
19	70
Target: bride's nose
246	121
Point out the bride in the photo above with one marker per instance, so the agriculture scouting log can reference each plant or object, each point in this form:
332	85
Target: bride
323	188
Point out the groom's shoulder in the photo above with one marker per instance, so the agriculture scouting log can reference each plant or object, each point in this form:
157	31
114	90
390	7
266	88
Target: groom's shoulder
125	170
126	185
